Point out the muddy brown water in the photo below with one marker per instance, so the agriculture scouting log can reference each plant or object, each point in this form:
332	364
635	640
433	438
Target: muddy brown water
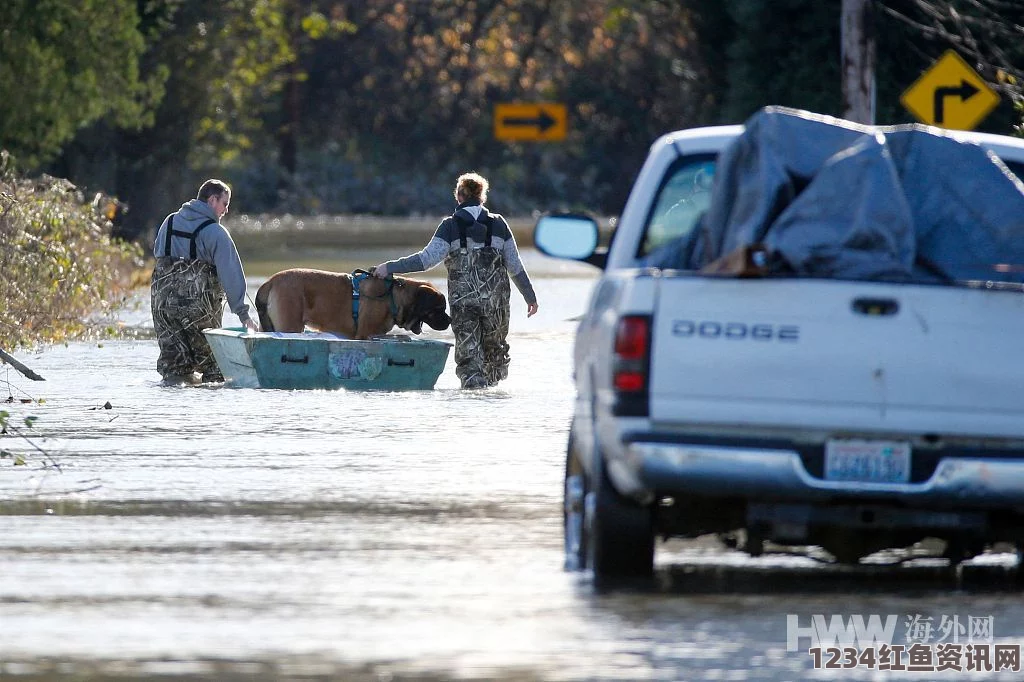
212	533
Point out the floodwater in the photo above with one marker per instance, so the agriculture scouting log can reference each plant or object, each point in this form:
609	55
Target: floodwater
218	533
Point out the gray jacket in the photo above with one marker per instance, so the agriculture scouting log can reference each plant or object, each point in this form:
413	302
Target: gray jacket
446	240
213	245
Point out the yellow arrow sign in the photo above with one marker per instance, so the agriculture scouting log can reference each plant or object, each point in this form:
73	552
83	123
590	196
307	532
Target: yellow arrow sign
538	122
950	94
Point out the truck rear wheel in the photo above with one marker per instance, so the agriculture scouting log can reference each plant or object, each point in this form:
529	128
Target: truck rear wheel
573	511
619	533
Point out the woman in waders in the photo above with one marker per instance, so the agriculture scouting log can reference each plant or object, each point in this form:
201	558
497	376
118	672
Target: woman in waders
197	267
478	249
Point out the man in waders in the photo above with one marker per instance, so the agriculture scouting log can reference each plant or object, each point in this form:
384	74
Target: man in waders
478	249
196	264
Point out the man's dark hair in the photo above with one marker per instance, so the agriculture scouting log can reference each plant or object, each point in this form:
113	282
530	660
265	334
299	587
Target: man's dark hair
213	188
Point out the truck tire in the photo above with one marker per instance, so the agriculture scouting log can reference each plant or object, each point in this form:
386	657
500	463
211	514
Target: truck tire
573	511
619	534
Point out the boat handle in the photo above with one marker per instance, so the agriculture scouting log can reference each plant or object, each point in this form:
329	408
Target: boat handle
876	306
396	363
304	360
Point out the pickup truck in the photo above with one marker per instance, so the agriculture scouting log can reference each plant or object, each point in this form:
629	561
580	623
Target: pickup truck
837	374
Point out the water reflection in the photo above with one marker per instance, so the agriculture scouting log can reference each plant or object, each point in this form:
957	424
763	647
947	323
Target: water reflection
253	534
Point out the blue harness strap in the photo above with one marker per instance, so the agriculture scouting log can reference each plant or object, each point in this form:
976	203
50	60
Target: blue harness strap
357	279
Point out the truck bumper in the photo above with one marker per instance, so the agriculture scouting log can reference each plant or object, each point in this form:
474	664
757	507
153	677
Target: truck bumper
779	475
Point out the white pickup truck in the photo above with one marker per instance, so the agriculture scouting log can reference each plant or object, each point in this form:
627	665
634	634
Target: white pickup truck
809	347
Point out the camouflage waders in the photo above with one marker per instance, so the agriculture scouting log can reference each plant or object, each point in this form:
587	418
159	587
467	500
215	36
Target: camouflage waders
478	293
187	297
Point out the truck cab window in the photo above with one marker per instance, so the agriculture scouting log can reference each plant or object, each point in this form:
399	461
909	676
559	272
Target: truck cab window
682	199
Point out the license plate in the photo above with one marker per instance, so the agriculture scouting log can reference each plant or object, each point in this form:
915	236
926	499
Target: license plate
867	461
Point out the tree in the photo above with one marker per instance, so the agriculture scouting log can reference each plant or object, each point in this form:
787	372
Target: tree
304	26
858	57
785	52
70	63
987	33
411	92
223	63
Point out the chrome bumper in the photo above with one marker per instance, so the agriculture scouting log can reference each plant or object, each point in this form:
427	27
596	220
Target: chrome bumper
780	475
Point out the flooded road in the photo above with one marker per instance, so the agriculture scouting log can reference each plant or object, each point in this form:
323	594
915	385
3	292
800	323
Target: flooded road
217	533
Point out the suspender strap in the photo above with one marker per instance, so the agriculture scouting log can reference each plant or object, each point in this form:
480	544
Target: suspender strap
462	229
170	231
180	233
485	219
192	237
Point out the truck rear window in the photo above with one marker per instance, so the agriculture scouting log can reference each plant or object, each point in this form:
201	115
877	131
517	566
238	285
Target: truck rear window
683	198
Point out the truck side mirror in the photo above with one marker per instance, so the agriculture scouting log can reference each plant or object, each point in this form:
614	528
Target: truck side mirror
571	236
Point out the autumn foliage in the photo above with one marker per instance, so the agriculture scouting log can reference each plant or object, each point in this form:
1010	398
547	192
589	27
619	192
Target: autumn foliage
59	265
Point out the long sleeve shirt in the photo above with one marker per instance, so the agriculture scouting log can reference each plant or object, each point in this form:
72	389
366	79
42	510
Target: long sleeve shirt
446	240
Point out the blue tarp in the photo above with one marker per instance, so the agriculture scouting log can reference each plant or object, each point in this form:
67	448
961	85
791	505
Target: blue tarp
831	198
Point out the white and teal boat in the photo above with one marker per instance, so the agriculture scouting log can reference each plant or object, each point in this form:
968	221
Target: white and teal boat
316	360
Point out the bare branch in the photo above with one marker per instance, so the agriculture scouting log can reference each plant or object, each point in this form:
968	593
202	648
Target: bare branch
940	20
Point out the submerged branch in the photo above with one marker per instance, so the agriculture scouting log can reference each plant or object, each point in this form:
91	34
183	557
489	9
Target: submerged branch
6	357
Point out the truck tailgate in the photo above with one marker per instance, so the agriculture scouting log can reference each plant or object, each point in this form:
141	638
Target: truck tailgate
838	355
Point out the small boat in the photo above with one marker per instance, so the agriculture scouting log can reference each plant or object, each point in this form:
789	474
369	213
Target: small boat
319	360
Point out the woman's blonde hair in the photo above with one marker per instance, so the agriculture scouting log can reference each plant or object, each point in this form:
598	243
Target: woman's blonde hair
471	187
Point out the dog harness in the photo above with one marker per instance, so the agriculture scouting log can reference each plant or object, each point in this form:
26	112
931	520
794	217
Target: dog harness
171	232
357	278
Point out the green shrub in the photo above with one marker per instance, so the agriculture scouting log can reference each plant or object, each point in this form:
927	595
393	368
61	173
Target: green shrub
59	266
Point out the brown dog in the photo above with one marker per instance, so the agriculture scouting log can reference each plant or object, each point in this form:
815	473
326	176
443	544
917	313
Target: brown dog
292	300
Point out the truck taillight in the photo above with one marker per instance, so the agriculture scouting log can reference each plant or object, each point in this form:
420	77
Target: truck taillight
632	345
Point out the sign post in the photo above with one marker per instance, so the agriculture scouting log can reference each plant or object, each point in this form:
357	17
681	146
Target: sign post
950	94
533	122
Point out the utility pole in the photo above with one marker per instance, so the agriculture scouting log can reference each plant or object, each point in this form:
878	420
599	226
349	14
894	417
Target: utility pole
858	61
